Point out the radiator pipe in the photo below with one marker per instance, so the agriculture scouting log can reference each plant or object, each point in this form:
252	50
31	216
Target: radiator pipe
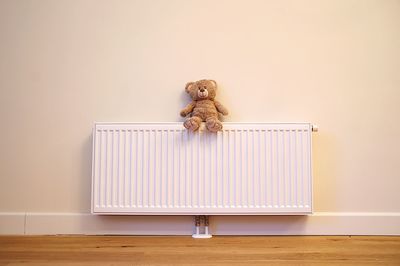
197	223
206	223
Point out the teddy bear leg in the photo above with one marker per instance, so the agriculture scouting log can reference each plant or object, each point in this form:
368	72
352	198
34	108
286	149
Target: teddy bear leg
193	123
213	124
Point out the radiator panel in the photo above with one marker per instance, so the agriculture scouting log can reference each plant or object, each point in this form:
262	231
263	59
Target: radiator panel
164	169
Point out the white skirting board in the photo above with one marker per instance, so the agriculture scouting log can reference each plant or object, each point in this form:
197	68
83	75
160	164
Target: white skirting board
320	223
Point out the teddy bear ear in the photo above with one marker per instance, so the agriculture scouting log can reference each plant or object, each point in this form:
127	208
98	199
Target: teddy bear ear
213	82
188	86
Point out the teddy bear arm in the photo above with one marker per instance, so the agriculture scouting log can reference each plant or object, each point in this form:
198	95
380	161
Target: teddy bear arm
221	108
188	109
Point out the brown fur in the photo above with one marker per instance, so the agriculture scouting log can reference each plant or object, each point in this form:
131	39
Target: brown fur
203	106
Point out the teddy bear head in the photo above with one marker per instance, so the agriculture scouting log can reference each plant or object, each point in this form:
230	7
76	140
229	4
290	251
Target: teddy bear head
204	89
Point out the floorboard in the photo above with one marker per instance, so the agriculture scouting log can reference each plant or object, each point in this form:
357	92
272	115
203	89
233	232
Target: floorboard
219	250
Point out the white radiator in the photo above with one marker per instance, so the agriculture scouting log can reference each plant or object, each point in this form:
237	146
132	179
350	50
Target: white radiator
161	168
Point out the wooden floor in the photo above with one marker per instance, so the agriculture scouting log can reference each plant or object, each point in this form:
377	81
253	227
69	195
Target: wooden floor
220	250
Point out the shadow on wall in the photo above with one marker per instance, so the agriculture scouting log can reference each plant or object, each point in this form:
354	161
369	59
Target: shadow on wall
260	225
185	100
137	225
325	156
324	153
184	225
85	186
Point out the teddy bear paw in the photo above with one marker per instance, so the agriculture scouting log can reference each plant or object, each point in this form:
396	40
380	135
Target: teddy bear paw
213	125
191	124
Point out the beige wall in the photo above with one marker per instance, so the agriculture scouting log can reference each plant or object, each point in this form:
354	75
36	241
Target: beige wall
65	64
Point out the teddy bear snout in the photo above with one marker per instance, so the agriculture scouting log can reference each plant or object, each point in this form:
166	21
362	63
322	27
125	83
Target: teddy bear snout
202	93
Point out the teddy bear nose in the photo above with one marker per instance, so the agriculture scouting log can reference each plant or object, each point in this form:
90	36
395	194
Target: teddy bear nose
202	90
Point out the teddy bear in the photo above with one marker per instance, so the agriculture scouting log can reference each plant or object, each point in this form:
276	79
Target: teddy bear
203	107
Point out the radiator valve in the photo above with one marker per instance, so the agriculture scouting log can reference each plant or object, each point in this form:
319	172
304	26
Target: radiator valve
198	220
